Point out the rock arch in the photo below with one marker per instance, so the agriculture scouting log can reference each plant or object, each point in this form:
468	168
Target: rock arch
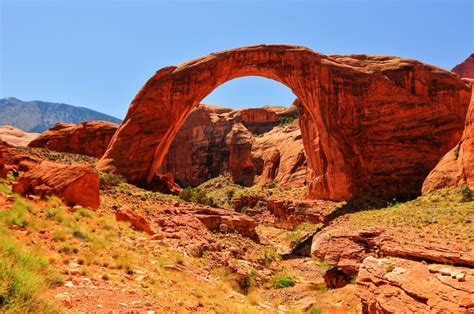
370	124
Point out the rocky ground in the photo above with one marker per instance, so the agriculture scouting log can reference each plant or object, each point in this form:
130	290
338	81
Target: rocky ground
224	248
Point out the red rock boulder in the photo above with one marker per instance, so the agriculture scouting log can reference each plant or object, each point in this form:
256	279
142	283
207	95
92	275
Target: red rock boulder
127	214
89	138
164	183
394	285
76	184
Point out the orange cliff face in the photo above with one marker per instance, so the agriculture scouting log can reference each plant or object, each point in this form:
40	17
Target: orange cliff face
370	124
456	168
212	142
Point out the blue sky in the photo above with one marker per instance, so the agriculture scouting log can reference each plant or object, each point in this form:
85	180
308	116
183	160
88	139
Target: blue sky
97	54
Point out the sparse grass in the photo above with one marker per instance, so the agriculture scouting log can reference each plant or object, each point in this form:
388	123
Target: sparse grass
23	279
109	179
442	214
301	231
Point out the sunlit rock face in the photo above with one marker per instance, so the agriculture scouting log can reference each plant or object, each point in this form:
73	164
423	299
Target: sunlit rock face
466	68
207	146
370	124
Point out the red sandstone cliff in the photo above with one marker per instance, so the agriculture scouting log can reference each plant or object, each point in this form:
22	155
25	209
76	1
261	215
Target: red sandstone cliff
466	68
456	168
249	143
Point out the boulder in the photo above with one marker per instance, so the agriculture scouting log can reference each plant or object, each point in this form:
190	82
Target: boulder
89	138
15	137
76	184
127	214
189	227
456	168
164	183
394	285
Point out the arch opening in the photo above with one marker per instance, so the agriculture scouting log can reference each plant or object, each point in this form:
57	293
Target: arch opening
250	92
254	144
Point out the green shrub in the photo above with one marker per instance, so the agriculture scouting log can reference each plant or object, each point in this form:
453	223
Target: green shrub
394	203
195	195
248	281
466	193
286	120
186	194
283	280
315	310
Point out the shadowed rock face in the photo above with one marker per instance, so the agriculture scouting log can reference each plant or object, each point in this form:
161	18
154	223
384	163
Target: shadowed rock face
370	124
456	168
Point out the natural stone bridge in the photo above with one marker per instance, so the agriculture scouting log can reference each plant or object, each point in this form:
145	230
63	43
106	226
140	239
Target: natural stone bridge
371	124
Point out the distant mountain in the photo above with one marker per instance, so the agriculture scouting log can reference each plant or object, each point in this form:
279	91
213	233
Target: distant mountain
38	116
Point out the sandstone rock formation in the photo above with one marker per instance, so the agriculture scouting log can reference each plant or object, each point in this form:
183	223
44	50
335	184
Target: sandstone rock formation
346	250
164	183
241	166
393	285
188	228
14	137
201	149
456	168
76	184
466	68
89	138
370	124
126	213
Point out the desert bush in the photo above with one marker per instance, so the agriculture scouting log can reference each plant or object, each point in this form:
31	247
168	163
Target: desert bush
286	120
466	193
195	195
283	280
270	255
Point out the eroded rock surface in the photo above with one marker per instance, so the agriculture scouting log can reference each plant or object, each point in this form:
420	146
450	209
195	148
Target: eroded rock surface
76	184
370	124
14	137
456	168
346	250
394	285
89	138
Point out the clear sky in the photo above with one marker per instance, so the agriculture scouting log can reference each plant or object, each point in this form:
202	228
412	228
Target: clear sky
97	54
